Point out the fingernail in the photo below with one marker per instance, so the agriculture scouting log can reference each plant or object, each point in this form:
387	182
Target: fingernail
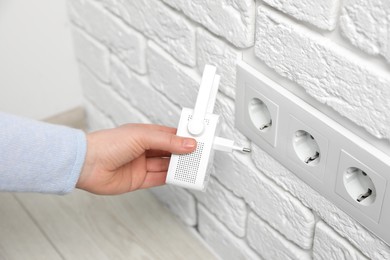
189	143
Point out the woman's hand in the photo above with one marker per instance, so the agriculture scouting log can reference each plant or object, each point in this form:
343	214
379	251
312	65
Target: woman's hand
130	157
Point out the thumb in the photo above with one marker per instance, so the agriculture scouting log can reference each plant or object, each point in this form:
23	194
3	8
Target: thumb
166	141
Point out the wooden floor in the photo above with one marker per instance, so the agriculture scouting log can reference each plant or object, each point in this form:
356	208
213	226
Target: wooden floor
85	226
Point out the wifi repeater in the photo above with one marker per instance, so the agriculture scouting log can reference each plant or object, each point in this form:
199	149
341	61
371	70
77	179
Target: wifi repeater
193	170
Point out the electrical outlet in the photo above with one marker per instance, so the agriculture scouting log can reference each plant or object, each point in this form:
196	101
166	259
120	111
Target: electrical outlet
306	147
344	168
361	185
262	116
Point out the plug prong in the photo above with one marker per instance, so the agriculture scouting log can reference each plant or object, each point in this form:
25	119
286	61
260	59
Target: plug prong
246	150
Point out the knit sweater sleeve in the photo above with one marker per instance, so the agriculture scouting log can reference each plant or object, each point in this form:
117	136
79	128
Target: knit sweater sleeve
39	157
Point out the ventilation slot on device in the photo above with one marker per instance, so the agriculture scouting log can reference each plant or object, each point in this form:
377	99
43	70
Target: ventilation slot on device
188	164
207	122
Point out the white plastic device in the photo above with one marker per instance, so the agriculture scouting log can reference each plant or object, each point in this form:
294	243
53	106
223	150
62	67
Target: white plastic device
193	170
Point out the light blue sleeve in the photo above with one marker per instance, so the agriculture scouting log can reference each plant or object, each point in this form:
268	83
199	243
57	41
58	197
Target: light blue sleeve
39	157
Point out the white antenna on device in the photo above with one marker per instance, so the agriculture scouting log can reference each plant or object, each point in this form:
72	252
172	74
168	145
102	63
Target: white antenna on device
206	89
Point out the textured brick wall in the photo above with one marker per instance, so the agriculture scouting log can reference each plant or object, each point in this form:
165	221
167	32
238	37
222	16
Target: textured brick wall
140	61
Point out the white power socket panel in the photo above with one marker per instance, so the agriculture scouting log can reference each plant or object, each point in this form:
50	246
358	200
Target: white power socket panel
344	168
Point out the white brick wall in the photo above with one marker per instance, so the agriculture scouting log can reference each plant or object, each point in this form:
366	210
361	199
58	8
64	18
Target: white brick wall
152	103
174	80
329	245
281	210
92	54
103	96
158	22
141	61
328	72
125	42
232	20
321	13
225	244
181	202
97	119
367	25
228	208
270	244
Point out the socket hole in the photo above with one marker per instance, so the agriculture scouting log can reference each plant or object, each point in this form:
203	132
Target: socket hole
306	148
359	186
260	115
